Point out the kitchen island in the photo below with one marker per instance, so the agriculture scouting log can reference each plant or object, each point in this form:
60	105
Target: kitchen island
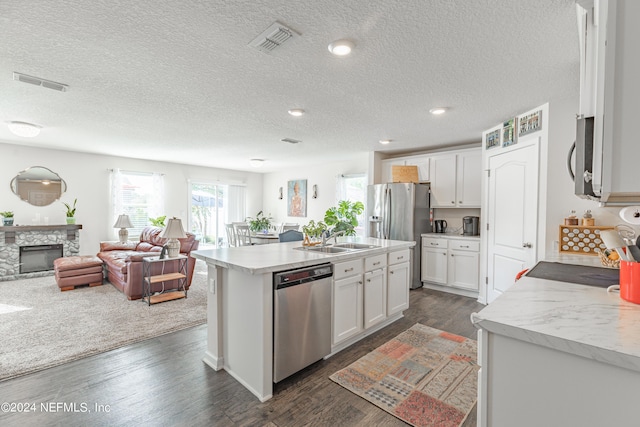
240	301
558	354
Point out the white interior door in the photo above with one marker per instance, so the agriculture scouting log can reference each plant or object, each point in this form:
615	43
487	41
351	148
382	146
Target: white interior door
512	217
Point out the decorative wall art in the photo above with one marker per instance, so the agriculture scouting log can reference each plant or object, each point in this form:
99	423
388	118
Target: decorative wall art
492	139
509	133
530	123
297	198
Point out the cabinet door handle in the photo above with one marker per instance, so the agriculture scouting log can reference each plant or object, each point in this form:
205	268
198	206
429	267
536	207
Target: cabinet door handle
368	280
346	270
444	253
400	257
360	282
391	272
464	246
434	244
460	202
453	202
376	263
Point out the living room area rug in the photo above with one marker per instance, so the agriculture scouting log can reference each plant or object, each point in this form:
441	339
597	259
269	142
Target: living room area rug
424	376
41	327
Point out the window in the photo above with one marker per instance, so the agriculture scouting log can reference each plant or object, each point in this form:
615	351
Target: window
353	187
139	195
211	207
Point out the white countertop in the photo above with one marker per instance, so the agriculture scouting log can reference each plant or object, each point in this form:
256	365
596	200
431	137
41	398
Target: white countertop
259	259
582	320
450	236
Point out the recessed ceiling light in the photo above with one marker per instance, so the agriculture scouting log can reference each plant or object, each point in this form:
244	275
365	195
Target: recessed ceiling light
385	141
23	129
341	47
438	110
256	163
296	112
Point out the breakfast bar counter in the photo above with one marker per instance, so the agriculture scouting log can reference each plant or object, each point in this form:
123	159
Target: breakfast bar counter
240	301
556	353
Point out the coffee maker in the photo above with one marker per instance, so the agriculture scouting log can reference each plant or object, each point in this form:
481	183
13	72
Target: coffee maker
471	226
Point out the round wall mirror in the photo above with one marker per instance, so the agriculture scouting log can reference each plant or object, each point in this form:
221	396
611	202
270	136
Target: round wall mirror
38	186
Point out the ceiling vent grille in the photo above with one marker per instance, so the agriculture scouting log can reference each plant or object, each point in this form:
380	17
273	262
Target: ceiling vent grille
61	87
290	140
272	38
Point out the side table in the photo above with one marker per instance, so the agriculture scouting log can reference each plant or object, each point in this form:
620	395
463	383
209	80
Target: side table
166	294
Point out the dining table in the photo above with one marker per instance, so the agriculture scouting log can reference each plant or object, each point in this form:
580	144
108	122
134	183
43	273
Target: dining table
264	238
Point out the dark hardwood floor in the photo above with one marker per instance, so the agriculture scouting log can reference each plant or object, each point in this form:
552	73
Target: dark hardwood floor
163	381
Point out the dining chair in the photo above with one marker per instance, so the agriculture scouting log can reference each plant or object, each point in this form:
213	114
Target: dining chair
243	234
290	226
231	235
291	236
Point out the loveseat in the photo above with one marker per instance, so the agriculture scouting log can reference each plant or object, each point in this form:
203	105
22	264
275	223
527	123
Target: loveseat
123	261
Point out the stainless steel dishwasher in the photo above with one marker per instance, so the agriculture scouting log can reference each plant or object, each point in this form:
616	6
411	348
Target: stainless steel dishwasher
301	318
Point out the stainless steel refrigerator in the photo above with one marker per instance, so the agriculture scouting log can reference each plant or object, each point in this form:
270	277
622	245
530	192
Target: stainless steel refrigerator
400	211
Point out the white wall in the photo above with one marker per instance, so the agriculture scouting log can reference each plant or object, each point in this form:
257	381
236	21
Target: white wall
322	175
87	178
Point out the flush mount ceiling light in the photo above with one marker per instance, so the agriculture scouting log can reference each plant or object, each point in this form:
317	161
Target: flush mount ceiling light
23	129
341	47
256	163
385	141
438	110
296	112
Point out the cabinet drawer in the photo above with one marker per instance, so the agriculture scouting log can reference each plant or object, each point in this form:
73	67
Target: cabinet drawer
347	268
399	256
375	262
465	245
433	242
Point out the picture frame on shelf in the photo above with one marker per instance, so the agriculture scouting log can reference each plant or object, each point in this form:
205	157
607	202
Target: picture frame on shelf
509	132
530	123
492	139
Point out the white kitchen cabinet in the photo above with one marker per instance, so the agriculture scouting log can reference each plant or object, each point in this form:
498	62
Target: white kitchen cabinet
347	303
451	265
455	179
421	161
375	297
399	273
434	260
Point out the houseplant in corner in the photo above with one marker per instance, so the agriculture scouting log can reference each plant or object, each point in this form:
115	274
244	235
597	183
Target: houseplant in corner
344	217
71	212
261	223
7	218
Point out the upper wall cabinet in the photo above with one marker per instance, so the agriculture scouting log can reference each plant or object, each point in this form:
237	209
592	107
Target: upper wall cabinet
421	161
455	179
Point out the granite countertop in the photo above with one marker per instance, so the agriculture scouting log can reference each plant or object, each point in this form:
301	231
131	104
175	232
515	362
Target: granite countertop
259	259
450	236
583	320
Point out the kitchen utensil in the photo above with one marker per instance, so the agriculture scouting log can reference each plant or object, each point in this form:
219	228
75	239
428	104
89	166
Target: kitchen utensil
613	241
441	225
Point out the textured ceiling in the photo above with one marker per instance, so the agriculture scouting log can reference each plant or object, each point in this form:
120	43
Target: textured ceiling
177	81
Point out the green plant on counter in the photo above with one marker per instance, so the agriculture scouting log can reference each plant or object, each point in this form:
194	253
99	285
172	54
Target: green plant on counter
71	211
344	217
159	221
314	229
7	214
260	223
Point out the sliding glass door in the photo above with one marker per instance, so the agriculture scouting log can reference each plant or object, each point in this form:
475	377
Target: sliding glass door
211	206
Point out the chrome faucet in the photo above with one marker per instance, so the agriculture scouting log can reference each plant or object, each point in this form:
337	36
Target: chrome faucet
333	236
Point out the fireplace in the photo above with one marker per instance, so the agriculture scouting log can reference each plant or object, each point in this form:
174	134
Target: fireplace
38	257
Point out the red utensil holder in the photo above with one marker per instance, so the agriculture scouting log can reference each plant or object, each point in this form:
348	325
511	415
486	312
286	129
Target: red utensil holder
630	281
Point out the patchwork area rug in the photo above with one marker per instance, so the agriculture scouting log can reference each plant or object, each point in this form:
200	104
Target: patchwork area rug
42	327
424	376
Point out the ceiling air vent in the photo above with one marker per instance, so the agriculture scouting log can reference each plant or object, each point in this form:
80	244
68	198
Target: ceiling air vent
39	82
290	140
272	37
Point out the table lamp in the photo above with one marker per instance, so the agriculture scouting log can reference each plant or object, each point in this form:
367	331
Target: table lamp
123	222
173	232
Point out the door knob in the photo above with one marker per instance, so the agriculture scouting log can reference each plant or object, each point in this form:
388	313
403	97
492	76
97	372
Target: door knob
527	245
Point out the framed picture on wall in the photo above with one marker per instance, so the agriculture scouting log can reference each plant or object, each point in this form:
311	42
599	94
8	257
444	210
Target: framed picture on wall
530	123
509	133
297	198
492	139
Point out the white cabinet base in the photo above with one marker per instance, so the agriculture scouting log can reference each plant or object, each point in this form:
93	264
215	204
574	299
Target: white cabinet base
450	289
346	343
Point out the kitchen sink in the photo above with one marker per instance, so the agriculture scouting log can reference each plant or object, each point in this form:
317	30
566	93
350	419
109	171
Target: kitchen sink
327	249
355	246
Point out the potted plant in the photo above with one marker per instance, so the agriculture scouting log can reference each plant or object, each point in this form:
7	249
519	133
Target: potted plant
344	217
313	231
261	223
159	221
71	212
7	218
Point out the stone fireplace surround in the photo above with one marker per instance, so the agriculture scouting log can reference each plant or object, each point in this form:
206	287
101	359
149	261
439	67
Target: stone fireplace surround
13	237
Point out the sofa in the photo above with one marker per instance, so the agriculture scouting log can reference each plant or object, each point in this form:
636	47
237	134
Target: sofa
123	261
